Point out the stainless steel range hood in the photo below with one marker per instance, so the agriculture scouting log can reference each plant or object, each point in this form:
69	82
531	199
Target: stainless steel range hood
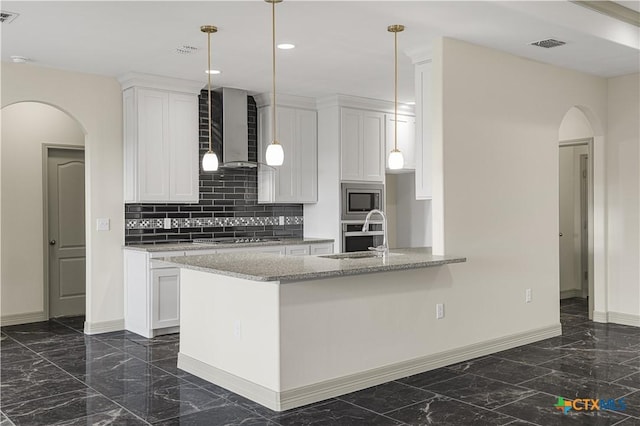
235	136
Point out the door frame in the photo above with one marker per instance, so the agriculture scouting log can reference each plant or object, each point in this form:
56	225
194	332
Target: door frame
46	147
588	142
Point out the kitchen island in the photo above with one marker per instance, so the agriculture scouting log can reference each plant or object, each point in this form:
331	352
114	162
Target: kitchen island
287	331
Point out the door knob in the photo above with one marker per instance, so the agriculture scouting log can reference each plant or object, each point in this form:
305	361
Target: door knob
52	242
561	234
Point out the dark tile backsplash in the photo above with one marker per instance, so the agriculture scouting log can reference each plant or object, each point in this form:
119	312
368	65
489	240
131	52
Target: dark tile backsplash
227	193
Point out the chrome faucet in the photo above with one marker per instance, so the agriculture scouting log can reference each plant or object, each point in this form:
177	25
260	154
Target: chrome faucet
381	250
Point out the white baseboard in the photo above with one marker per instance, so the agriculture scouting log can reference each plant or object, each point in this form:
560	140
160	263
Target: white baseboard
617	318
297	397
13	319
103	327
568	294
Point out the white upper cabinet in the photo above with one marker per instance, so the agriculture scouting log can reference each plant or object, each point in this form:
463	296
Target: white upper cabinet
296	180
361	145
423	146
406	140
160	139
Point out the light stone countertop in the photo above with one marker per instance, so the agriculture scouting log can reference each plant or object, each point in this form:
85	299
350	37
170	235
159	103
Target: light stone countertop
152	248
273	267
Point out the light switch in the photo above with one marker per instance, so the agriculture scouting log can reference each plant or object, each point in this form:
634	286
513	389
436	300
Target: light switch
103	224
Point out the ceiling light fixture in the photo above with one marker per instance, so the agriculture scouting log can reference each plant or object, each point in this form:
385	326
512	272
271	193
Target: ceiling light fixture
396	160
213	72
274	154
19	59
210	159
286	46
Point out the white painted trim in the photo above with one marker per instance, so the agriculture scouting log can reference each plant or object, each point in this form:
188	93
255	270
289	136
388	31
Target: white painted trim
150	81
103	326
623	318
568	294
599	316
302	102
364	104
13	319
303	395
420	55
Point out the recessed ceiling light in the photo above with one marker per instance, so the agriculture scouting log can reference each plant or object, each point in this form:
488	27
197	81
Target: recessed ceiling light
286	46
411	103
19	59
212	72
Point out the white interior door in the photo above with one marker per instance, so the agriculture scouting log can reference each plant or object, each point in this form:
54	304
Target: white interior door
65	186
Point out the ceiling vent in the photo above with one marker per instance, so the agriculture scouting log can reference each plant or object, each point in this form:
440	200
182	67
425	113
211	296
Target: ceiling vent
186	49
7	17
548	43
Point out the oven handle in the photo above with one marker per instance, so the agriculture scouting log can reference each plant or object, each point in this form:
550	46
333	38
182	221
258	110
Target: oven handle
360	233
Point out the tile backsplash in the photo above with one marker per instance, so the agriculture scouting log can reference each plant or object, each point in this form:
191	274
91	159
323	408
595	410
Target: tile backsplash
228	205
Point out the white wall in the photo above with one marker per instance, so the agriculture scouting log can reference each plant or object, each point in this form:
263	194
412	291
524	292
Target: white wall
623	183
96	103
574	126
496	150
26	127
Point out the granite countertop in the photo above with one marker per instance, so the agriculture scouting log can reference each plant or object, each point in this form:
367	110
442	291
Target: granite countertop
152	248
273	267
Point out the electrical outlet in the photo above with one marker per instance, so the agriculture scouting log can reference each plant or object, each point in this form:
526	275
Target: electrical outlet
527	295
237	329
281	220
439	310
103	224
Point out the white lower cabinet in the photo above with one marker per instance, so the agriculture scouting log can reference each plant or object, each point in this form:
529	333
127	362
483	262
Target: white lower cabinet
152	288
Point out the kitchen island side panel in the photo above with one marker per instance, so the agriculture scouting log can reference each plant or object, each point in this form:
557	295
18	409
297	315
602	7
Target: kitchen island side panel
231	324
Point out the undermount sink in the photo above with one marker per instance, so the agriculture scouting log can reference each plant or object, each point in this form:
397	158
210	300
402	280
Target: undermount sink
357	255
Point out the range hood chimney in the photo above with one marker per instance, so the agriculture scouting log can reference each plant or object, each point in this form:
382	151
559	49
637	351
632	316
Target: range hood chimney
235	136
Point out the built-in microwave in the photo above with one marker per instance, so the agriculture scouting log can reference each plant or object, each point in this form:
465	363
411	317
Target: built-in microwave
358	199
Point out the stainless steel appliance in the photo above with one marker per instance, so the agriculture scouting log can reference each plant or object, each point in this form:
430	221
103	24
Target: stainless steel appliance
354	239
358	199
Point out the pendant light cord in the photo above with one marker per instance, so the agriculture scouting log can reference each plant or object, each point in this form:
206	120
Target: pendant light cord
273	60
395	144
209	88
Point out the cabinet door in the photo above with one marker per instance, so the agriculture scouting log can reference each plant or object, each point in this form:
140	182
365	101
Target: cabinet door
286	183
153	145
406	139
306	168
423	144
302	250
373	146
165	297
351	140
266	175
321	248
183	143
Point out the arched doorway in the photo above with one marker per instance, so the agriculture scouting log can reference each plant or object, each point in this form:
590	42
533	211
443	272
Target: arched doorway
581	212
36	138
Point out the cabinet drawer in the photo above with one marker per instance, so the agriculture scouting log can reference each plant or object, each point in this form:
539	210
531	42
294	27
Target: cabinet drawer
317	249
160	254
302	250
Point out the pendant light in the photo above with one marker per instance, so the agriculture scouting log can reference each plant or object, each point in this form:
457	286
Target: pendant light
396	160
210	159
275	154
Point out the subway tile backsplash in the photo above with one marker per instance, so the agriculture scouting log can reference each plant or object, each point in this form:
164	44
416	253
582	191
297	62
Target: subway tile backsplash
228	205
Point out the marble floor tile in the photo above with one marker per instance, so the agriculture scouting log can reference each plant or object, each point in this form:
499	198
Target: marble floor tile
387	397
633	404
226	414
540	409
480	391
632	381
167	403
37	330
77	323
442	411
154	352
7	342
631	421
59	408
4	421
115	416
170	365
530	354
262	410
571	386
16	354
33	379
430	377
634	361
501	369
335	413
79	360
568	320
593	365
555	342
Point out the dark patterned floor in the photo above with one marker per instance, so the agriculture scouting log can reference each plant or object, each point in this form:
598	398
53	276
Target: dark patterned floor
53	374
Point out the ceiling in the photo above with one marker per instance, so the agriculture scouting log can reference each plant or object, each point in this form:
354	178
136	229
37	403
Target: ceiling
342	47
